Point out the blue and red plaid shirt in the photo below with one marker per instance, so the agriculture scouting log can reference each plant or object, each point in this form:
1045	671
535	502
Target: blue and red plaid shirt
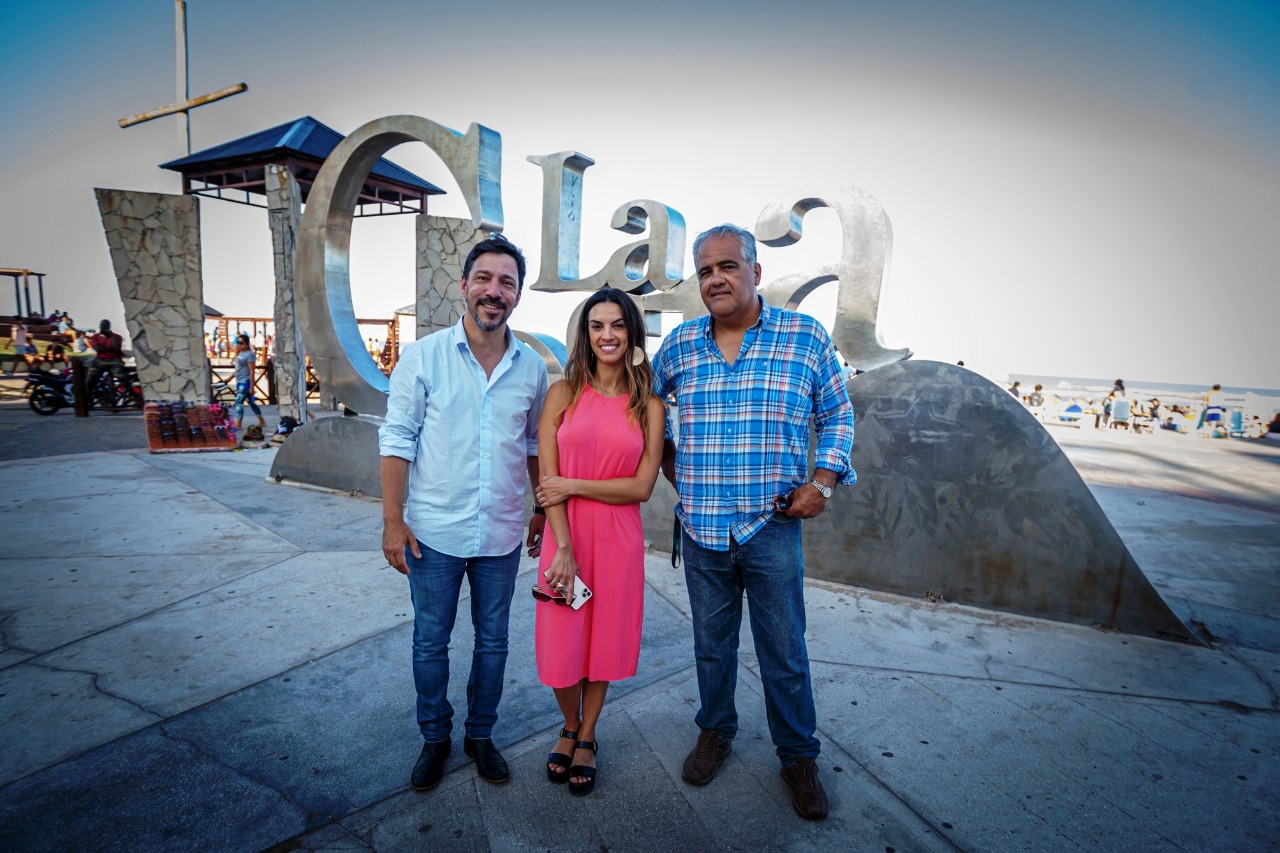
744	429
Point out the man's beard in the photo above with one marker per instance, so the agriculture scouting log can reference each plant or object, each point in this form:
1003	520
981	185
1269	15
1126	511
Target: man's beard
484	325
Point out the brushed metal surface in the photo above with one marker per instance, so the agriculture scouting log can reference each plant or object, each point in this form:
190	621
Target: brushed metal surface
862	271
963	495
334	452
329	331
653	263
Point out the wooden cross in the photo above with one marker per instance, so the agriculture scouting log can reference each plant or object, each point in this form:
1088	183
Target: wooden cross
185	103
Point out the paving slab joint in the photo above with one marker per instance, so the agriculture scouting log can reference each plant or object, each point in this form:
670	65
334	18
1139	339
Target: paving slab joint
93	681
237	771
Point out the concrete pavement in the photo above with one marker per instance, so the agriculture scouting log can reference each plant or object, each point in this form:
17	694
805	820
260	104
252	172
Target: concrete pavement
196	658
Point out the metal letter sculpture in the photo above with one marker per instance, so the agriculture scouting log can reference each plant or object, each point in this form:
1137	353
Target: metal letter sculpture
329	329
342	452
631	268
862	270
962	493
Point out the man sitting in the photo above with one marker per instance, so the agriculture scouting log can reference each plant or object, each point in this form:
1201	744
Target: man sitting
108	347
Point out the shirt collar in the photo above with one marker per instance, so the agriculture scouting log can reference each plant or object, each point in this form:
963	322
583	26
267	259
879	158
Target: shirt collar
460	339
766	315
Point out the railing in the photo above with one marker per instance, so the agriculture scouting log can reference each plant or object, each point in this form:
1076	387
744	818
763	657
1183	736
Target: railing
222	382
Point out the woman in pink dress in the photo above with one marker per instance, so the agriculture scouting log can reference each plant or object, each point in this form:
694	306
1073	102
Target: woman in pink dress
599	450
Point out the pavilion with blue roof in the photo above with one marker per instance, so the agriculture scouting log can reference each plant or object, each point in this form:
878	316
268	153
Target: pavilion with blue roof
236	170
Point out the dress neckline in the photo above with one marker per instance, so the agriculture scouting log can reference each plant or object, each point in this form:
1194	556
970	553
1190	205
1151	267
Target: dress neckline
606	396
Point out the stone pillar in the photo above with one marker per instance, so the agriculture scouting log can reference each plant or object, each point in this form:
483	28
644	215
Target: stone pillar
284	211
443	245
155	251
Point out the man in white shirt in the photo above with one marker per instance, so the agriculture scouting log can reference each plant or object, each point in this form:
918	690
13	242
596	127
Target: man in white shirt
461	431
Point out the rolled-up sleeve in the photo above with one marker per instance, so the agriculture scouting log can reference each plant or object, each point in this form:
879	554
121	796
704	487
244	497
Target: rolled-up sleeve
535	415
663	385
406	407
833	418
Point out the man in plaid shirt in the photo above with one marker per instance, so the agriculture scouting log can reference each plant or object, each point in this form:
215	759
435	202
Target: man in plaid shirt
749	380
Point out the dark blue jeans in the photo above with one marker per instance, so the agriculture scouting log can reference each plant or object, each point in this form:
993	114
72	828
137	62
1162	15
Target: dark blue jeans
769	567
434	584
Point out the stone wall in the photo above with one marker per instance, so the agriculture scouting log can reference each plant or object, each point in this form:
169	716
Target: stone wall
443	244
284	212
154	241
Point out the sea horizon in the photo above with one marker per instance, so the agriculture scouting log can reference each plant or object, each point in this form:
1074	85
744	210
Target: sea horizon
1050	383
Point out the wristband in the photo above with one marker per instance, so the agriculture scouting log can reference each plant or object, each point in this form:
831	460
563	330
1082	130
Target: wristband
537	510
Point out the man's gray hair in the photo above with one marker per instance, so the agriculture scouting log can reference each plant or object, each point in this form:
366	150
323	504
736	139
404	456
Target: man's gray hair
746	240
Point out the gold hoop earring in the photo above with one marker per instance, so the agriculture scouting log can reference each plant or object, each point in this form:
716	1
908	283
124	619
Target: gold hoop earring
637	356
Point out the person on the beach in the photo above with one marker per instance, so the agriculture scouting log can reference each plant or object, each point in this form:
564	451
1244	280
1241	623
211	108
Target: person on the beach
600	445
1214	411
1214	404
750	380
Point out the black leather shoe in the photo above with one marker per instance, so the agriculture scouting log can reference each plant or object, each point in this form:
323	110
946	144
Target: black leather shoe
428	770
490	764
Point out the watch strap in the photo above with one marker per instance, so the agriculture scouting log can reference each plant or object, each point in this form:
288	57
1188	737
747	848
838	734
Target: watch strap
825	490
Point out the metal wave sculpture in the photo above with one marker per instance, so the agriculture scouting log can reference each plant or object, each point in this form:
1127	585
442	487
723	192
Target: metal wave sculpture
964	497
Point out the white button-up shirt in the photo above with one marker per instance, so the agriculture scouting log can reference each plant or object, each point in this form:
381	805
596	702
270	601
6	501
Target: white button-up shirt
468	438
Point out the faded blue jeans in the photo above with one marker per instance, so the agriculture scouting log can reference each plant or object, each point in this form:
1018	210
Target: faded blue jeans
244	394
434	584
769	567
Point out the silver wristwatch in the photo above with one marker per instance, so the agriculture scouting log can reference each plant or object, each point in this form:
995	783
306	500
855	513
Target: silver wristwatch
825	490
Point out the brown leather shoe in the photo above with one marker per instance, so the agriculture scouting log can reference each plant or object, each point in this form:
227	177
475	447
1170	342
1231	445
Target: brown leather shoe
807	796
708	754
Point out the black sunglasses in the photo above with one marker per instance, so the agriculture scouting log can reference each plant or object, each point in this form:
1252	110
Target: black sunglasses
546	593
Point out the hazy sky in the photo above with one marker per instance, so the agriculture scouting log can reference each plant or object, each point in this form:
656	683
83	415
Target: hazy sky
1076	188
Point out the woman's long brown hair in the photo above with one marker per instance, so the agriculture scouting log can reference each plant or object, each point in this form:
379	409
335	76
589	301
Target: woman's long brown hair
582	361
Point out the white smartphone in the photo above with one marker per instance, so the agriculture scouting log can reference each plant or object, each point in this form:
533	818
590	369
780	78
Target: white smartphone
580	594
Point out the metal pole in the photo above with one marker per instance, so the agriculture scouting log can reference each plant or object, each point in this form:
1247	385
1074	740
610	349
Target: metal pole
26	289
40	284
184	89
17	297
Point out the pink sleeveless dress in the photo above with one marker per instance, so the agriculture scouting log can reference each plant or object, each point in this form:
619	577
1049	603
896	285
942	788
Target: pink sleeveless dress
600	641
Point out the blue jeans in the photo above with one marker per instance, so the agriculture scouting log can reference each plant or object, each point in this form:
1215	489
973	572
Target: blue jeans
769	567
434	583
244	393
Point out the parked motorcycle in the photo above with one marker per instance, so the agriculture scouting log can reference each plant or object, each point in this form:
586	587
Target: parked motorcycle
111	394
49	392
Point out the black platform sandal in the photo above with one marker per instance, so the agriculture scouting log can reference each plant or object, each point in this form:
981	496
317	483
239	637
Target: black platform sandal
561	760
581	789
